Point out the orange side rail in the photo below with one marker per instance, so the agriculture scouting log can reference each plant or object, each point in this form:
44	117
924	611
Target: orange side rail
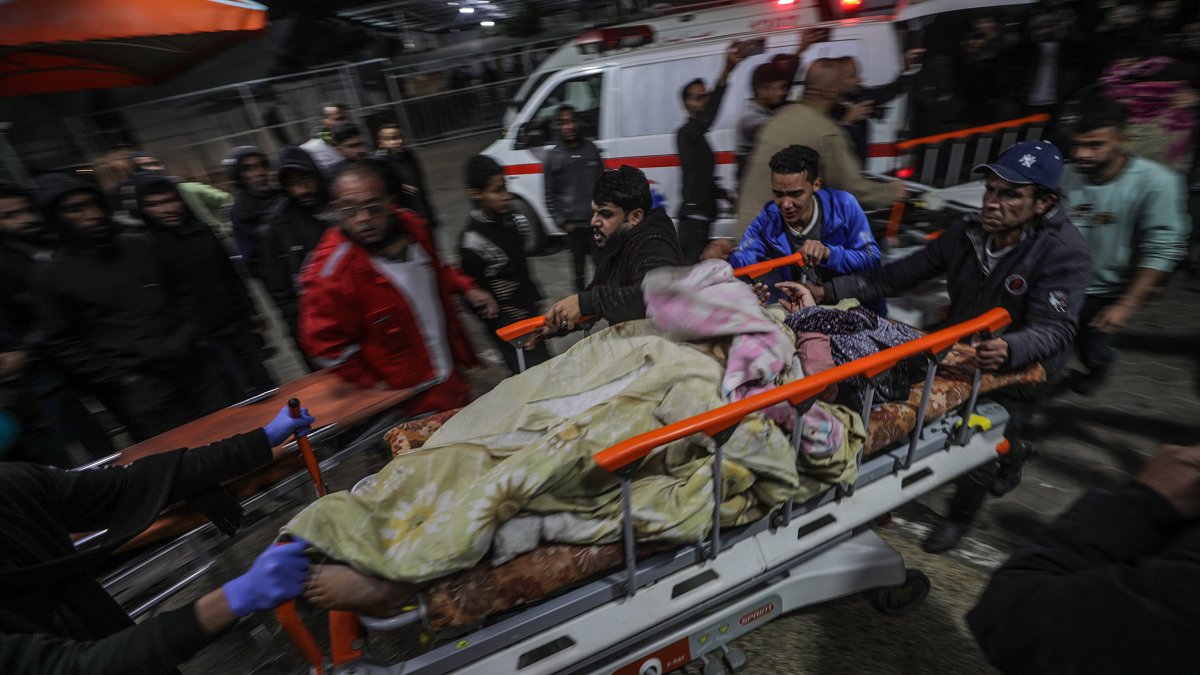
520	329
713	422
964	133
758	269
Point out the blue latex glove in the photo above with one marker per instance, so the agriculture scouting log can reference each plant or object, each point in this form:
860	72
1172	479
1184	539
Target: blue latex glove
277	576
284	425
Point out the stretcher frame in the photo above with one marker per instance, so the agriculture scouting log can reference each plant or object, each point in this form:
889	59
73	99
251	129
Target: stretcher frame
144	581
669	609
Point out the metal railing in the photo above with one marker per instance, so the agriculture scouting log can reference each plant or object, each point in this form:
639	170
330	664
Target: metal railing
193	132
947	159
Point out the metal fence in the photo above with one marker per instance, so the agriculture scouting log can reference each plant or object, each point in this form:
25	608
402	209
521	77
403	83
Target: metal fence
193	132
947	159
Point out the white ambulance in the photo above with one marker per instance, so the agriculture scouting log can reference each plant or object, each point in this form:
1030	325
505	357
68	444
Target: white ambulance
625	84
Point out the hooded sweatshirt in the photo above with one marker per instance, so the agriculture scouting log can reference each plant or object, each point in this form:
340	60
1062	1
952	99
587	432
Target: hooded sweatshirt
285	239
107	311
248	209
213	295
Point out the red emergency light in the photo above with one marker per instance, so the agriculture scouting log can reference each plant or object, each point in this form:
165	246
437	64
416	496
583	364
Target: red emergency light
608	39
851	5
787	2
906	172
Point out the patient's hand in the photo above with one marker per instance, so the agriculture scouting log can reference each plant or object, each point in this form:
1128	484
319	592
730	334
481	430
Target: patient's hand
718	249
798	296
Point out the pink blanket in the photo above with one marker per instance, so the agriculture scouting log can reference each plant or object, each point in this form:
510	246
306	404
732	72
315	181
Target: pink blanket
707	301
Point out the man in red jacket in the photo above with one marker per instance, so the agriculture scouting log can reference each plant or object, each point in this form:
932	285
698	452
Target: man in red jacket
375	298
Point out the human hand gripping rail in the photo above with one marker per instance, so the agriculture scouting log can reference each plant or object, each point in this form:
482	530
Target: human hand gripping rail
517	333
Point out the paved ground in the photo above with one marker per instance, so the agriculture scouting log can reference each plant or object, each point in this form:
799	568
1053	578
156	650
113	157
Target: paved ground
1154	397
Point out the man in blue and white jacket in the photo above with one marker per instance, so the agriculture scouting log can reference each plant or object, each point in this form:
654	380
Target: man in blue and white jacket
827	226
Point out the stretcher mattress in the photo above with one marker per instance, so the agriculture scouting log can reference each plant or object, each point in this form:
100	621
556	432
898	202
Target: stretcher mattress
472	595
333	400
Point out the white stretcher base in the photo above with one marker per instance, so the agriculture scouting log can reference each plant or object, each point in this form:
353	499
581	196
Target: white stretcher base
826	551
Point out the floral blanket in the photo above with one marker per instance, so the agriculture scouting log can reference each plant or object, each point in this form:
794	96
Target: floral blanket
526	450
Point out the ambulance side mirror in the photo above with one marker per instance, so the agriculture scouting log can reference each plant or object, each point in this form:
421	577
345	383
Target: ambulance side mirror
530	135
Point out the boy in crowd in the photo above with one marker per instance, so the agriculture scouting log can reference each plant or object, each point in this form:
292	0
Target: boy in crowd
491	252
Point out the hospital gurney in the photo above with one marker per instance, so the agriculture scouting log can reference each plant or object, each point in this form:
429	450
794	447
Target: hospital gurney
670	607
181	545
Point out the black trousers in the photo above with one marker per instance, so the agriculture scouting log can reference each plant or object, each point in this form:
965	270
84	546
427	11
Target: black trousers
1095	349
694	231
972	488
579	237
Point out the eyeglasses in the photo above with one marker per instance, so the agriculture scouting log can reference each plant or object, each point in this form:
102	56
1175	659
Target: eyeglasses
372	209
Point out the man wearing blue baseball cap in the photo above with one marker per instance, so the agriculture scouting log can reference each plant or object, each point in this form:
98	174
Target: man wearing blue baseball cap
1022	253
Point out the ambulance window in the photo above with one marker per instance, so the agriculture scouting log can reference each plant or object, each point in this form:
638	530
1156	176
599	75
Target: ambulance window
582	92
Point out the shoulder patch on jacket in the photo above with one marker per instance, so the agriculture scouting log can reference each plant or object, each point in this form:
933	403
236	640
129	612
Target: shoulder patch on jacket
335	258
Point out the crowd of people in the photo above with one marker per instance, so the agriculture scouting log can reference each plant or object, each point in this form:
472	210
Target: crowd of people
132	306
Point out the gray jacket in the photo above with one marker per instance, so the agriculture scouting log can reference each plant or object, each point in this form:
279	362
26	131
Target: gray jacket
1041	284
569	176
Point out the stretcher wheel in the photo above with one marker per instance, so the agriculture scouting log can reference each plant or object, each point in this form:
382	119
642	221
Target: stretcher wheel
896	600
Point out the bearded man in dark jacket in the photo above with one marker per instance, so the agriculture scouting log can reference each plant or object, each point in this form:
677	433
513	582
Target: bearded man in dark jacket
633	239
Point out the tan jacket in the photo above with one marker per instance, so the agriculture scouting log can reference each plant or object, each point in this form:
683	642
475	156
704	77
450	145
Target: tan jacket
802	124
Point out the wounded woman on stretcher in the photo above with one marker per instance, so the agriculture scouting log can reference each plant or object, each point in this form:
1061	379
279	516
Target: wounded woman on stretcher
515	469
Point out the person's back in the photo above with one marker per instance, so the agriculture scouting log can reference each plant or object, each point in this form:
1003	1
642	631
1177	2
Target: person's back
1112	586
808	123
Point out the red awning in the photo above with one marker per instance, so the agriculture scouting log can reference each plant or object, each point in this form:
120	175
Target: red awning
66	45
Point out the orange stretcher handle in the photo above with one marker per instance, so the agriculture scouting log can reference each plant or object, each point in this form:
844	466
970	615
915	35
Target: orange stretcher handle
306	451
519	329
964	133
715	421
758	269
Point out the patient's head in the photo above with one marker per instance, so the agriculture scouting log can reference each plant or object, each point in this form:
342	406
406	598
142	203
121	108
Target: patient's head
795	179
620	200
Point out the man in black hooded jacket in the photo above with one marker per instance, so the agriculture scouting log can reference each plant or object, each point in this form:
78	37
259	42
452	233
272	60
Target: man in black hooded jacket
250	171
110	315
212	294
293	229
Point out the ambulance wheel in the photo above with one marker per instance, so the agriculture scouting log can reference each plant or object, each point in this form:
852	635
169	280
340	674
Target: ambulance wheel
530	227
896	600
